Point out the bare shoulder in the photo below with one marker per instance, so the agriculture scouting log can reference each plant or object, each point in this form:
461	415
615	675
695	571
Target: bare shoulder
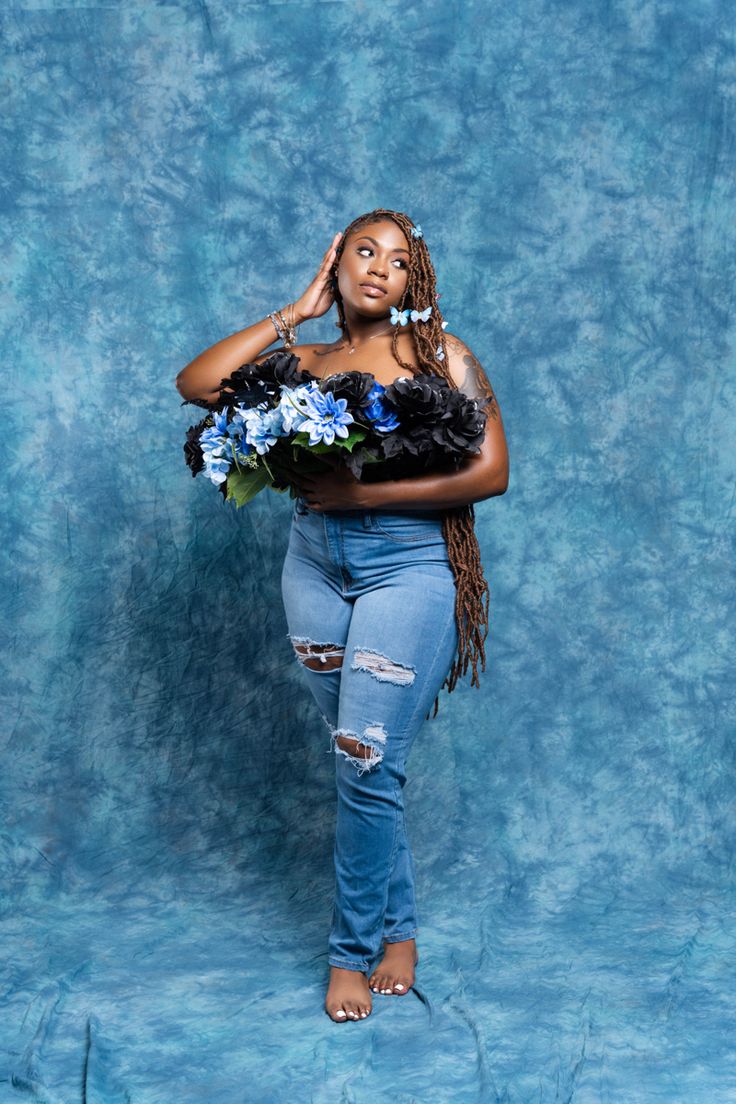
468	373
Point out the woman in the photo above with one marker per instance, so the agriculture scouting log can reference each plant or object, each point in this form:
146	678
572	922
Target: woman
385	575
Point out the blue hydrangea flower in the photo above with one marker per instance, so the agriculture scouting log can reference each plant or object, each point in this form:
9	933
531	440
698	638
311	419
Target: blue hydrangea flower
216	448
263	427
327	417
383	419
292	406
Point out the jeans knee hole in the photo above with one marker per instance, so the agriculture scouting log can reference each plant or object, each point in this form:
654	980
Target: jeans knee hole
382	668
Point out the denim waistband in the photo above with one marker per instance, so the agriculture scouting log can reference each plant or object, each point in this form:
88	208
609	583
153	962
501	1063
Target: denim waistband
427	515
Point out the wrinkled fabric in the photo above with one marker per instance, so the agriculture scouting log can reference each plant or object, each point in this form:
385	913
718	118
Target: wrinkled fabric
173	172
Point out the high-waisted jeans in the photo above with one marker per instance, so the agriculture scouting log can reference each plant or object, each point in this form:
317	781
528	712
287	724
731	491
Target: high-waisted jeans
375	589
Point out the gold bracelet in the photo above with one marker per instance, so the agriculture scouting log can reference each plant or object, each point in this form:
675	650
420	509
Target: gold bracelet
292	316
290	338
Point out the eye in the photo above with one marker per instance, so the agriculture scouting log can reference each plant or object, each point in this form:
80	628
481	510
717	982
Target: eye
399	261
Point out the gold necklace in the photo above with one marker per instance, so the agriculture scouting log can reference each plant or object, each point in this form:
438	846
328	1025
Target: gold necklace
352	349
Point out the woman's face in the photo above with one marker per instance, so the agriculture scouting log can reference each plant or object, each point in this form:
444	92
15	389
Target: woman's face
376	253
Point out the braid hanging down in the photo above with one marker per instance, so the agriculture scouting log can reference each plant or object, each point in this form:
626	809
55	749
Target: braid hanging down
472	595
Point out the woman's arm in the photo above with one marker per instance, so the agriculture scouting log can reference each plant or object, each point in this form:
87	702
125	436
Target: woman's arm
200	378
478	477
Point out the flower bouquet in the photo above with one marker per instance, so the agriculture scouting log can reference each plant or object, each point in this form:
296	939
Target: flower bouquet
273	420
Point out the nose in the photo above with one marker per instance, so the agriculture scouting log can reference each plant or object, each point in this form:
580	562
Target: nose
376	268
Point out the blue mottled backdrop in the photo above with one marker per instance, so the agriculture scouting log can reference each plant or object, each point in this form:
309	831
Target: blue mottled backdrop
171	172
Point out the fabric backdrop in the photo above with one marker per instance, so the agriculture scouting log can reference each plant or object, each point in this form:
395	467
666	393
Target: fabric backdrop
170	173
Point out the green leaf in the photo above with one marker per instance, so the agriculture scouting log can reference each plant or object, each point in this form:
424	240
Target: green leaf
352	439
244	485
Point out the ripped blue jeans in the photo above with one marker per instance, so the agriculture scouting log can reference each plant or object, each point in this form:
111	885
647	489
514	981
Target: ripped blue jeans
369	598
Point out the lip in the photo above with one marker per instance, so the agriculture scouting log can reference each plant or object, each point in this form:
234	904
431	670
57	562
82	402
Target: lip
368	288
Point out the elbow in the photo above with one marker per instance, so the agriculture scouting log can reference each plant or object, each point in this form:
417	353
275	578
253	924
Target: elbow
502	477
498	482
186	392
179	384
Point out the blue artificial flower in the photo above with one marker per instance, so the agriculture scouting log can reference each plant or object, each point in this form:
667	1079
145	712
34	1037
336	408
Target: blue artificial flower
402	317
216	468
217	448
292	408
263	427
327	417
384	420
421	316
416	232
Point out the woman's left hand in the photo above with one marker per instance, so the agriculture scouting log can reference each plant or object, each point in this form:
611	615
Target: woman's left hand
333	490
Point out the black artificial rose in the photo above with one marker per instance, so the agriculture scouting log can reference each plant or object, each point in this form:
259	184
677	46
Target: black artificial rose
251	384
192	449
353	386
418	398
440	426
461	429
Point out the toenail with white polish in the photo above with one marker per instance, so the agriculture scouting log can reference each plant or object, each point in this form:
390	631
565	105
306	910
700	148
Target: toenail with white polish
398	986
340	1013
364	1013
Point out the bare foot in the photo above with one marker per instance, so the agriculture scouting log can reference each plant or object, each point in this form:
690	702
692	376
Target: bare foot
394	974
348	996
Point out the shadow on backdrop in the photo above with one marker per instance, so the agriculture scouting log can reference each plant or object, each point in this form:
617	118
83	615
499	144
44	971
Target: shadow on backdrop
172	173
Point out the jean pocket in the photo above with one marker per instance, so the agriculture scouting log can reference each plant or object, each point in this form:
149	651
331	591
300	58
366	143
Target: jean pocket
407	530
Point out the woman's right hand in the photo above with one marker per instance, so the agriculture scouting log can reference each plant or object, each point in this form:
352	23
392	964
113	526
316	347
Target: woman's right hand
319	296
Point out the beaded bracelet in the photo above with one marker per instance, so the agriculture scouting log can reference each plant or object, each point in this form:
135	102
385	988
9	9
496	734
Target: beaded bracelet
285	330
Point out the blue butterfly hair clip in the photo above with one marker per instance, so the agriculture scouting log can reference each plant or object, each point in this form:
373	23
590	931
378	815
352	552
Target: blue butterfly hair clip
402	317
421	316
416	232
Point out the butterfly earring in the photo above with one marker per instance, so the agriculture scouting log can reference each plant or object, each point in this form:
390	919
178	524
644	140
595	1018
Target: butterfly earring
402	317
421	316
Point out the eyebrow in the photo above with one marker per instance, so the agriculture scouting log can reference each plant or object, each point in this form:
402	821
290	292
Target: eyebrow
370	239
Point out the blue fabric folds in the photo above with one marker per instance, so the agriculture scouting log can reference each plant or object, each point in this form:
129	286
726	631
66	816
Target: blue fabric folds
173	172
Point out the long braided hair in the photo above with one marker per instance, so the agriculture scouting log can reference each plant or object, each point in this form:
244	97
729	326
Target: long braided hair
472	595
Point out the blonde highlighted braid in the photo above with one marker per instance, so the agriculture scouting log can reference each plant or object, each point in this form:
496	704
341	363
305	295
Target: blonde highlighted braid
472	594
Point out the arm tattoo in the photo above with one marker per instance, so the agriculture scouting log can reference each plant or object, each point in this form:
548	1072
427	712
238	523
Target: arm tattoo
475	383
